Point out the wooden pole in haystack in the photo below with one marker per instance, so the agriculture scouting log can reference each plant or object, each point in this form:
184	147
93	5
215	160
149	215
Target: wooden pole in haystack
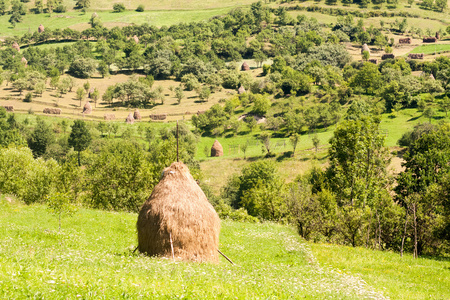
225	257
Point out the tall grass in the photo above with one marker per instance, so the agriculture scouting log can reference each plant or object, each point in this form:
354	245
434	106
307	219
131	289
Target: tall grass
92	259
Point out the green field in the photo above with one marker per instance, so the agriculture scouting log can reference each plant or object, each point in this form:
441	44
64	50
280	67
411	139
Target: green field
432	48
79	21
91	258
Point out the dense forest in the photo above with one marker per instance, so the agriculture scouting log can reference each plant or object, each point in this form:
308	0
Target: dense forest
309	82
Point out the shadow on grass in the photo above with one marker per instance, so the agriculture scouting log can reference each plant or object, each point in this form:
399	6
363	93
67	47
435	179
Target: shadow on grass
413	119
284	155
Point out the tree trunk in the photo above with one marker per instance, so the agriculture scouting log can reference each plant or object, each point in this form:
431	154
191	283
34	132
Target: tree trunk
415	231
404	233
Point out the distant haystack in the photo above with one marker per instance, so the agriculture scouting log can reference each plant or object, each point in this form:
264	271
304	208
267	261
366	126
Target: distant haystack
109	117
241	90
387	56
137	115
129	119
216	149
136	39
41	28
16	46
87	109
415	55
365	48
52	111
24	61
158	117
178	220
245	67
429	39
405	41
91	91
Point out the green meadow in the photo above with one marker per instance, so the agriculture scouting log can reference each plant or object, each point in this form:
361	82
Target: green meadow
92	258
432	48
80	21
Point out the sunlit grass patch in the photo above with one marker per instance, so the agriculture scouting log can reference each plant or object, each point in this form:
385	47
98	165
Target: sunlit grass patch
92	258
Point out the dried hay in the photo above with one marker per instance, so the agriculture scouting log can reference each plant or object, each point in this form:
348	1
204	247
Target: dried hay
159	117
415	55
387	56
245	67
16	46
404	41
178	214
429	39
41	28
216	149
91	91
129	119
109	117
52	111
137	115
365	48
87	109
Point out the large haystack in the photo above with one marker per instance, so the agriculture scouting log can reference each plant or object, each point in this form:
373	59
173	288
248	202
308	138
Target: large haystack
129	119
41	28
178	214
216	149
87	109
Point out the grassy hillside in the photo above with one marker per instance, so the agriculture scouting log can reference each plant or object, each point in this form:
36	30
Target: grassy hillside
92	258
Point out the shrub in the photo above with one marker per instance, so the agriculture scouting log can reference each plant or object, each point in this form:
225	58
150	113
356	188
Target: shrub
118	7
60	9
82	67
28	97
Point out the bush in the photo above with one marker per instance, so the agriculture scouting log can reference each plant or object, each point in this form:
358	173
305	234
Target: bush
140	8
82	67
28	97
60	9
118	7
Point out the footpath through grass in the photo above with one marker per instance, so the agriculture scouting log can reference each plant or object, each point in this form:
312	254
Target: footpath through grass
92	259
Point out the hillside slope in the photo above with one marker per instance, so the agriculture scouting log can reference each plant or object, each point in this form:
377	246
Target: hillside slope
92	258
